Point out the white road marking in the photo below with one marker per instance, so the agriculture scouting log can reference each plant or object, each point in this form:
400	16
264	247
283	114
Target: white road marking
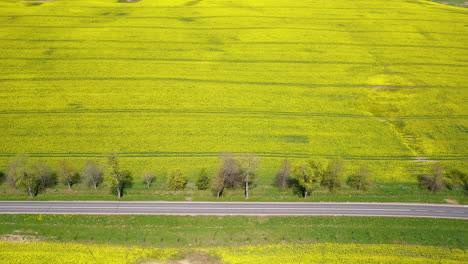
204	208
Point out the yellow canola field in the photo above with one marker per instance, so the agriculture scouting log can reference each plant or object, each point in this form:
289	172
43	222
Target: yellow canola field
341	253
173	83
48	252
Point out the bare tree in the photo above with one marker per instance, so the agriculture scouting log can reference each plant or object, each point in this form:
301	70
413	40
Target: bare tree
434	181
360	179
248	163
93	174
283	178
47	177
68	174
148	178
116	178
229	174
218	185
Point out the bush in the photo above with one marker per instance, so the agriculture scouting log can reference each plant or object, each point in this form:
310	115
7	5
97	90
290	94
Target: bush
457	179
333	175
176	180
203	181
360	179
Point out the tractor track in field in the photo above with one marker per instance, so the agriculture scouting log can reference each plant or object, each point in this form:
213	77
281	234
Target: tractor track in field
226	112
156	154
233	28
234	43
192	80
234	61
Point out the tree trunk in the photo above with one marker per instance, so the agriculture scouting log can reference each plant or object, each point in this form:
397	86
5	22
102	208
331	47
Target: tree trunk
220	192
433	184
305	194
94	184
69	185
30	192
246	190
119	193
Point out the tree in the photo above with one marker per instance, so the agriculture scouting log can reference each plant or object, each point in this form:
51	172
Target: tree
360	179
68	174
334	174
2	177
203	181
47	177
218	186
307	178
93	174
176	180
456	178
148	178
283	178
117	179
16	170
229	175
248	166
435	180
35	179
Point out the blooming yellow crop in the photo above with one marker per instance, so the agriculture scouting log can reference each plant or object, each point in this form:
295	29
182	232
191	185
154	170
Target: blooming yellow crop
340	253
48	252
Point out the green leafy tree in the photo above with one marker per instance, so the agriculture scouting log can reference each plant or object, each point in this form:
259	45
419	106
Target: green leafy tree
334	174
68	174
93	174
148	178
435	180
283	177
307	178
35	179
203	181
16	169
248	166
360	179
117	179
176	180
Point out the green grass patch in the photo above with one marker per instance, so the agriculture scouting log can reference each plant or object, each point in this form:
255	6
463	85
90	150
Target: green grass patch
207	231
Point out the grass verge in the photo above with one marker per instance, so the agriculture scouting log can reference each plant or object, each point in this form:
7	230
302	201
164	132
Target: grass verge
209	231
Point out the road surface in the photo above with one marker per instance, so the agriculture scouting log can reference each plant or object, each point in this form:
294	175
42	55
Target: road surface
233	208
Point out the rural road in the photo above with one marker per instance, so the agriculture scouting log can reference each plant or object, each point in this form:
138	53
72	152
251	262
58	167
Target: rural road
233	208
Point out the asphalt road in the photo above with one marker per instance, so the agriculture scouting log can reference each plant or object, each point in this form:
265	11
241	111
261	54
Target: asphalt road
233	208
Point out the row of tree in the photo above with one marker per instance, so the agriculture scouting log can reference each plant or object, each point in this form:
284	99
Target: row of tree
235	172
306	178
35	178
241	172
